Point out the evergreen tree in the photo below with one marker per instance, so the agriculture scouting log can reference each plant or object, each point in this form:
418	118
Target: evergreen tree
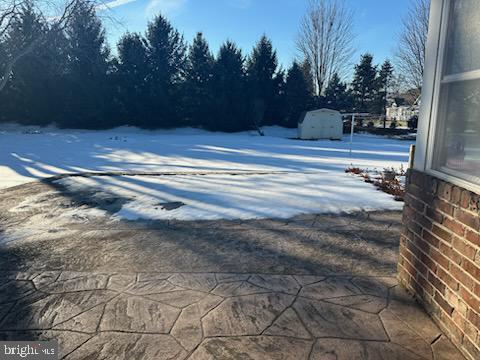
278	107
298	94
167	56
262	86
198	94
90	96
307	73
337	96
229	90
384	82
132	76
33	93
364	84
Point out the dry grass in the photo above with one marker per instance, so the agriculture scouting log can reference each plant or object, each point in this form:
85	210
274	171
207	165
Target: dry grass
390	186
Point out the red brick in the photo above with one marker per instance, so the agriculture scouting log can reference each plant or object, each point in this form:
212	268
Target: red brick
450	253
443	303
476	291
434	215
435	281
468	219
471	348
474	202
464	248
456	195
430	239
451	326
406	254
409	268
462	277
414	227
427	287
422	244
408	213
431	185
474	318
445	190
465	199
443	206
473	237
442	233
454	226
421	194
414	203
417	179
447	279
471	268
469	298
425	222
439	258
459	320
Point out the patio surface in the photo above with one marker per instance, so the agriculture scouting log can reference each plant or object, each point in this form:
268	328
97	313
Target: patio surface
310	287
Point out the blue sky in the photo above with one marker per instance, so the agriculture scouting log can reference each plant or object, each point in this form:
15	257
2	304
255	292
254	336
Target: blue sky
377	22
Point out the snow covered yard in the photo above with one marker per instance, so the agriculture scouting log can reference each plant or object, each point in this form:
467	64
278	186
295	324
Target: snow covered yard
226	176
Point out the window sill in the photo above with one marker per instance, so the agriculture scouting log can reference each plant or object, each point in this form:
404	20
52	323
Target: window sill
455	180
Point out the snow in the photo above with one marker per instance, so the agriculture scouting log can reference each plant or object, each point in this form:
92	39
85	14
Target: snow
279	177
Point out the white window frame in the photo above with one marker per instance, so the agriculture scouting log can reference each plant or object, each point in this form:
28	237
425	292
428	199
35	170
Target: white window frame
434	58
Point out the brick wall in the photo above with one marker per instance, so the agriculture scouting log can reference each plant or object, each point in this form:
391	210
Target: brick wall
440	256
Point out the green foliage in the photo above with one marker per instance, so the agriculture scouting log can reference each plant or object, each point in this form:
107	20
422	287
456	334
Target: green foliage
298	95
337	96
30	94
364	85
229	91
154	81
198	85
384	81
167	53
262	83
89	97
131	80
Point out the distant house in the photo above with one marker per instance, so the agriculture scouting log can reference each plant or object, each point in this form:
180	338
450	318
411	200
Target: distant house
320	124
399	110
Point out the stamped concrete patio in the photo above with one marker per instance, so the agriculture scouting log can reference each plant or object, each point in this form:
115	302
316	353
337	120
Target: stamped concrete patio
310	287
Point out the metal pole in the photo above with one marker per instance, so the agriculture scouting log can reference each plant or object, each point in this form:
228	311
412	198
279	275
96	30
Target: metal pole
411	157
351	133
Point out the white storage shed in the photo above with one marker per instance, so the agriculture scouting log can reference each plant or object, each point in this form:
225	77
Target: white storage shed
321	124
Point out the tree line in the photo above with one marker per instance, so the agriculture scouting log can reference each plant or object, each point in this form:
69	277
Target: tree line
157	80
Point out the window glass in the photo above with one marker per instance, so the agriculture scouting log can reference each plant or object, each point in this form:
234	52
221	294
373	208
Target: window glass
457	133
463	37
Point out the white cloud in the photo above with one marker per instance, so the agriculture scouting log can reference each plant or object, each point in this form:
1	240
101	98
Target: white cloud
113	4
166	7
240	4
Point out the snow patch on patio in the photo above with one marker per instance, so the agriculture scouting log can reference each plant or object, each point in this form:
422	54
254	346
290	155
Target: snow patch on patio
277	176
217	196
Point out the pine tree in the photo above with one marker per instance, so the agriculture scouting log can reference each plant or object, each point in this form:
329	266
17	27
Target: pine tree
198	94
364	84
35	87
298	94
261	68
90	96
384	82
167	56
132	78
336	95
278	107
229	90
